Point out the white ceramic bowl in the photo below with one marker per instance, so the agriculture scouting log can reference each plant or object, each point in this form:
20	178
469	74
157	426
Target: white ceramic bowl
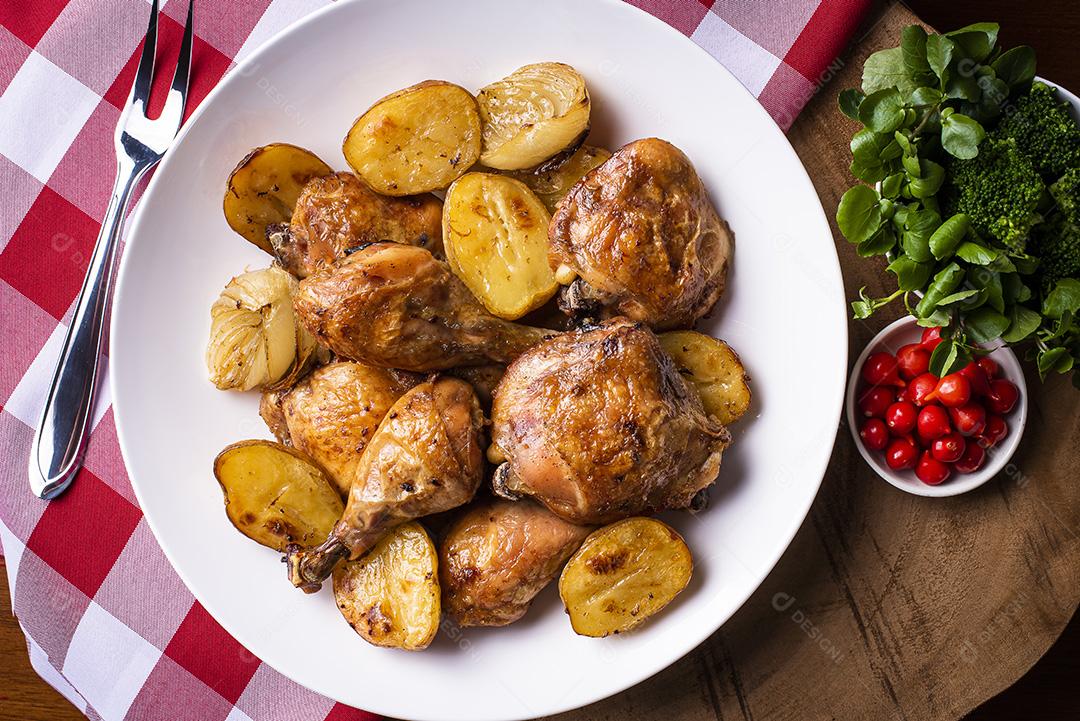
898	334
306	87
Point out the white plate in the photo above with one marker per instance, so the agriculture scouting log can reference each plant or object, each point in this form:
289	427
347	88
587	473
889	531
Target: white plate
785	312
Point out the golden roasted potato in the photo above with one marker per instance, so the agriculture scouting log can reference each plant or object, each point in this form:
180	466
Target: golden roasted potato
623	574
262	190
275	496
714	369
552	184
415	140
495	237
391	595
532	114
339	212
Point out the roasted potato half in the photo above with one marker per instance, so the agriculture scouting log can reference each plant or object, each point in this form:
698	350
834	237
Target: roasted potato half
495	238
275	496
552	184
623	574
262	190
714	369
532	114
415	140
391	595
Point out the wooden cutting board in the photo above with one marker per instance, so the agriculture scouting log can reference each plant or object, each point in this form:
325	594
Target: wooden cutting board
887	605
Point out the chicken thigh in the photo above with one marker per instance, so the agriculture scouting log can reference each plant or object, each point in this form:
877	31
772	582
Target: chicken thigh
639	237
498	555
338	212
332	414
424	458
396	306
599	425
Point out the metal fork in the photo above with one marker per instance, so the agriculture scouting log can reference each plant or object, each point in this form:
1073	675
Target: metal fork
60	442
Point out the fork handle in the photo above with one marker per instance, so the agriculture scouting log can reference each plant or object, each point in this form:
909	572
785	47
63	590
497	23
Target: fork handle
60	441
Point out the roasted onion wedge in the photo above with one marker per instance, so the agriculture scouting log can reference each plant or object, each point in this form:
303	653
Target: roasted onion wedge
623	574
714	369
391	596
532	114
495	238
256	340
262	190
415	140
275	496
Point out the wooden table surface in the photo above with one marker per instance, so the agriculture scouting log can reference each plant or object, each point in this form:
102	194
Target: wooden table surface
1046	691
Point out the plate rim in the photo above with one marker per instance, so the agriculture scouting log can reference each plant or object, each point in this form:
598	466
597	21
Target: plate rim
677	647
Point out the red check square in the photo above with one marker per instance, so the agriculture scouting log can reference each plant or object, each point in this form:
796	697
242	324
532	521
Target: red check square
211	655
46	258
341	712
30	20
82	533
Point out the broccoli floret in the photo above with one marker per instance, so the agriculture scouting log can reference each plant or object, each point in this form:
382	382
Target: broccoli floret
999	189
1058	239
1044	130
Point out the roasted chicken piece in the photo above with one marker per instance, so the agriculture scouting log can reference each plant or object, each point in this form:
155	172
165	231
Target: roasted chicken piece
483	379
396	306
498	555
339	212
639	237
332	414
599	425
424	458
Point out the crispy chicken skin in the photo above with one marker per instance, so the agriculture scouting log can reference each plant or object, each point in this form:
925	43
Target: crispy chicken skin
498	555
339	212
643	239
397	306
424	458
332	414
599	425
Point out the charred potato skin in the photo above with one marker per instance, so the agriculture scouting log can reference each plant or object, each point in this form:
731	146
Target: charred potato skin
498	555
495	235
624	574
272	527
250	205
642	233
391	596
715	369
339	212
394	148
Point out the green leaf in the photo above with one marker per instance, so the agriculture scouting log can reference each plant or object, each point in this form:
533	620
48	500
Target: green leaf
948	235
937	319
883	111
886	69
961	85
1064	298
912	166
890	187
976	41
939	53
1054	360
849	102
945	282
958	296
865	306
1023	322
906	146
961	135
920	225
933	175
1016	66
947	357
975	253
925	97
985	324
910	275
913	47
859	214
879	243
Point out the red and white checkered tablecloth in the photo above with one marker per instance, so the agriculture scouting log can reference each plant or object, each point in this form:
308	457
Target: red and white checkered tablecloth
107	620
